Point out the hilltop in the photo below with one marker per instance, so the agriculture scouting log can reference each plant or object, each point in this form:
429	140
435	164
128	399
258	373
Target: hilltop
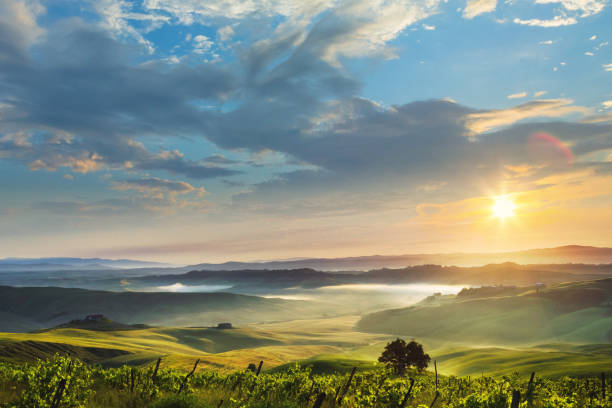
578	312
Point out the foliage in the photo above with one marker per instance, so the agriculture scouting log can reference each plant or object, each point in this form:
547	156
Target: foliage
139	387
401	355
62	379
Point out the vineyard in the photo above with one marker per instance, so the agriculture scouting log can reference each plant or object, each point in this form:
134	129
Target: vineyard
64	382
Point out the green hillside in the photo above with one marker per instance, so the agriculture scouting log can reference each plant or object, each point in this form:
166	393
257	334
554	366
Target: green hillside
578	312
31	308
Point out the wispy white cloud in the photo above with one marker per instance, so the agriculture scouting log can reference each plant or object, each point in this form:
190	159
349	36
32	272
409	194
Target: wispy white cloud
485	121
517	95
197	11
586	8
157	187
202	44
116	16
539	93
557	21
607	67
474	8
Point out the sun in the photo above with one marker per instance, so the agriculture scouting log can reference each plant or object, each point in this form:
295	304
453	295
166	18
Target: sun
503	207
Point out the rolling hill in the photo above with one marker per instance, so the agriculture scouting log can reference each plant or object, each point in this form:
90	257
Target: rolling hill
31	308
577	312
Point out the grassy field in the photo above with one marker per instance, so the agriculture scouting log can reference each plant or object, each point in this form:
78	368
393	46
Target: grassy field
275	343
324	345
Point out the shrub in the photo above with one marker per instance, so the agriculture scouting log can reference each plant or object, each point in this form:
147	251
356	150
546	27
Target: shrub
43	381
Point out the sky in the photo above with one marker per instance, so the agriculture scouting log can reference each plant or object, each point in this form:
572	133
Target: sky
190	131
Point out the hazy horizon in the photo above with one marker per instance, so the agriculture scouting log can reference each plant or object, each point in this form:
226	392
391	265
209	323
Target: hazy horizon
162	261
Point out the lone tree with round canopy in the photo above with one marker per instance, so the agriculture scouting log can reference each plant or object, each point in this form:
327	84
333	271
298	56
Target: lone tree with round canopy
401	356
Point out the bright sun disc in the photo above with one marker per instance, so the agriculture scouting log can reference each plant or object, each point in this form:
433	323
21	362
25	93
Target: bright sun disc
503	207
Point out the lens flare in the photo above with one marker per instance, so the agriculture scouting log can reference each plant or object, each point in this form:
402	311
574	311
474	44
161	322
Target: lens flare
503	207
547	149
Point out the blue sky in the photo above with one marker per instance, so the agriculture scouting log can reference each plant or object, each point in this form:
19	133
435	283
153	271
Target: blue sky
186	130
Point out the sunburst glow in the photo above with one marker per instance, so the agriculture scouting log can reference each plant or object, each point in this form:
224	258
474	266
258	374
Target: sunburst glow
503	207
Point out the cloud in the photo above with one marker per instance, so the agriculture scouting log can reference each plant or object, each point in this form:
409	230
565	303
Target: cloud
517	95
589	54
429	27
93	123
194	11
201	44
607	67
372	154
556	21
485	121
607	104
546	42
18	22
225	33
539	93
117	14
585	8
290	94
157	187
474	8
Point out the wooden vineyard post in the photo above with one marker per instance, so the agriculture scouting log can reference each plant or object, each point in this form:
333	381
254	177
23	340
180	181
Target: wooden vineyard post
436	368
319	400
603	387
435	399
346	387
188	375
530	386
132	378
337	392
310	392
58	393
516	399
256	375
154	377
156	369
405	400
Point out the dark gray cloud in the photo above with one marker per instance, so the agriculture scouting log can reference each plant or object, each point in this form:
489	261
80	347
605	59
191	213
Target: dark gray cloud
372	153
78	95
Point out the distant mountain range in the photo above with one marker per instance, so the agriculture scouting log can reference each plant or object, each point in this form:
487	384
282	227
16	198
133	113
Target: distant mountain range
558	255
257	281
42	264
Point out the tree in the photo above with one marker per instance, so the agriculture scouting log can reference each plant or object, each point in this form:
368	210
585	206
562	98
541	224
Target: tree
401	355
